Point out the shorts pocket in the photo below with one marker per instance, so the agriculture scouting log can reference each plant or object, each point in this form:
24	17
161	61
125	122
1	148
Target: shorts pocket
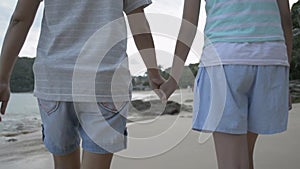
112	112
48	106
113	107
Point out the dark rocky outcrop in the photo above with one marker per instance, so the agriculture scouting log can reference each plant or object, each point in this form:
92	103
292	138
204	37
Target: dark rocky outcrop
156	107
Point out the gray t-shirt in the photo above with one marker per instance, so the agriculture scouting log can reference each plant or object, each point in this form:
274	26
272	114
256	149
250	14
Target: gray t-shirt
81	55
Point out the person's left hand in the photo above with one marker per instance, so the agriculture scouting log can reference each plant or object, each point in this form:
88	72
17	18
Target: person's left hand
155	81
168	88
290	101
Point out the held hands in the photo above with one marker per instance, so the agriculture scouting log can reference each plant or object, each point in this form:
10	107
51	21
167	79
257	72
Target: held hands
168	88
4	97
163	88
155	81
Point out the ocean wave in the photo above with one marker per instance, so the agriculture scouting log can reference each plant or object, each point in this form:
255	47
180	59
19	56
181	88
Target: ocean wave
14	127
16	133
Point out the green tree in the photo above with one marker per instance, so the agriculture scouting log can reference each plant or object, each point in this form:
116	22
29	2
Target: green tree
295	64
194	68
22	79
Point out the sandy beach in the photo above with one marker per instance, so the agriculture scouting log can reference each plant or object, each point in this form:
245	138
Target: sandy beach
165	142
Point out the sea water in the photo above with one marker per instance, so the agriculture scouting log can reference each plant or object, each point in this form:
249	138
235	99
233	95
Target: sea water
22	115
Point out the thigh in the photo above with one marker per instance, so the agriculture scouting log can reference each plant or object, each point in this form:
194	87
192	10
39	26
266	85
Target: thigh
96	161
231	150
68	161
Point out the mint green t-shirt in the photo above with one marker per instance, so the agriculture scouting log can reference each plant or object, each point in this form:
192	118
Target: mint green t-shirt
242	21
244	32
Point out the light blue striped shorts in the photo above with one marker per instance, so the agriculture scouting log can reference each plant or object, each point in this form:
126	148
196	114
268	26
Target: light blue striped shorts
236	99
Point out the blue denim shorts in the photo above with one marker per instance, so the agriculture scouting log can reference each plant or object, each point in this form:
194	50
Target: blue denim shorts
236	99
100	126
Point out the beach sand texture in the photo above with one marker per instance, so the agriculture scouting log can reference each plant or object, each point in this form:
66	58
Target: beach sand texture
174	146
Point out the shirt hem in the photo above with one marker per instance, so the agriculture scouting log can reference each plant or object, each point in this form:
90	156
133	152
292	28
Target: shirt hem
81	98
136	5
245	62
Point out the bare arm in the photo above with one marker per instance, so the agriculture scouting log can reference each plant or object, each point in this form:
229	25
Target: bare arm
287	26
286	23
17	31
185	39
143	39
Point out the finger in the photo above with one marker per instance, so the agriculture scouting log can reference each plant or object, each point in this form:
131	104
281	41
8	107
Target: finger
3	107
290	102
157	81
164	98
154	86
160	94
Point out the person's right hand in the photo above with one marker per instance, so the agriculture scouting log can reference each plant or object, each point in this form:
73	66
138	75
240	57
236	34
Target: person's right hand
290	102
168	88
155	80
4	97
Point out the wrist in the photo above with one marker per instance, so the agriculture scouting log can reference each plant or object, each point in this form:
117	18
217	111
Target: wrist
4	85
4	81
4	77
153	71
172	80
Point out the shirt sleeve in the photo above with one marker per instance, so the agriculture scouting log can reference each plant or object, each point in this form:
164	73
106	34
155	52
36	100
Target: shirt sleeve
130	5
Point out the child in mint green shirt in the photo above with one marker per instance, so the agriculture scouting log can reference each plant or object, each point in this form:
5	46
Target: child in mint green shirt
241	89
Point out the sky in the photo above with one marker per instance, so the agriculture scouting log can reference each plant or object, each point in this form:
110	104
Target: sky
165	45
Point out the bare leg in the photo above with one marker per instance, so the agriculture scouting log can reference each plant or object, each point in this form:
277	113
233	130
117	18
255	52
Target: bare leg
251	137
231	150
96	161
69	161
